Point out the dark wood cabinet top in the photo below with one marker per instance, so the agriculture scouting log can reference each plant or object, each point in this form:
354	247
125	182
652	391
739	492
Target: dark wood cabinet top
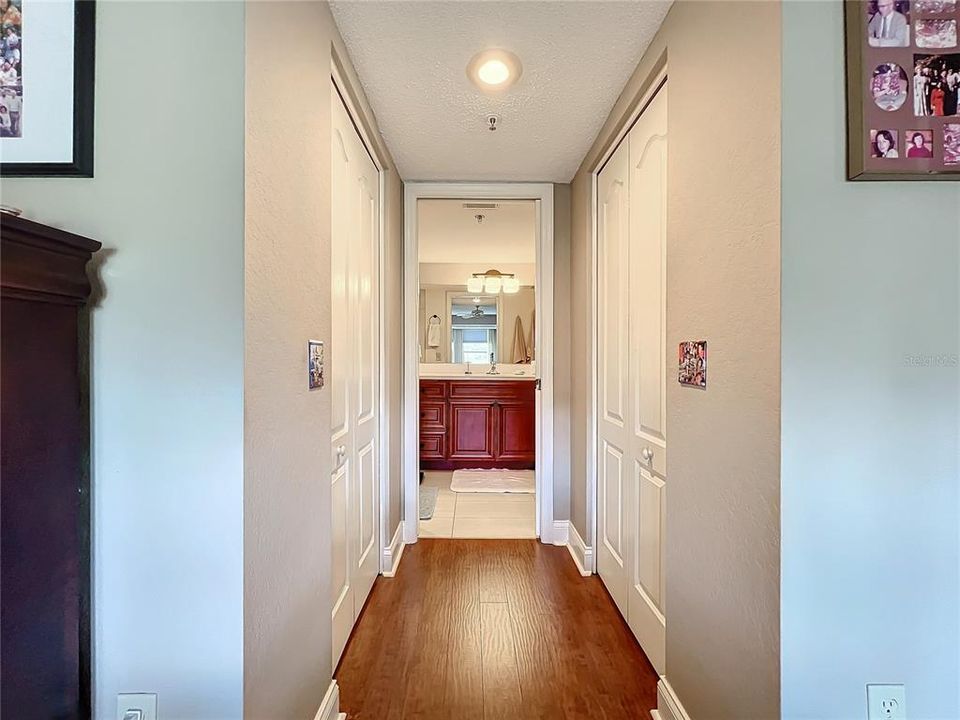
42	263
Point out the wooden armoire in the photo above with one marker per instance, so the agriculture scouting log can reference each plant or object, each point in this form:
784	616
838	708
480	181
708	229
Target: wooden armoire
44	477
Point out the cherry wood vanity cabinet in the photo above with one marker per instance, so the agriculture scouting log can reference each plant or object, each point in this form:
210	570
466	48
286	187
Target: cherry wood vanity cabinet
477	424
44	479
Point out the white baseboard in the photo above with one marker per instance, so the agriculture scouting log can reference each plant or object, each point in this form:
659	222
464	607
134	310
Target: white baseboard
581	552
330	707
559	536
392	553
669	706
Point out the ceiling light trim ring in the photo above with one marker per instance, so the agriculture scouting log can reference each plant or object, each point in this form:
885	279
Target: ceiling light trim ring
494	70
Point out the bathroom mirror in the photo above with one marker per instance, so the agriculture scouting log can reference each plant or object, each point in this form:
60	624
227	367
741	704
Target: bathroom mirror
477	281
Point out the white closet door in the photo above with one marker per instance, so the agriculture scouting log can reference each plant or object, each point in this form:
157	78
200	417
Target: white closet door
354	373
614	464
648	351
631	375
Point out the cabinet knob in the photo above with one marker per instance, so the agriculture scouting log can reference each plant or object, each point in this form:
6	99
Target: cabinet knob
646	454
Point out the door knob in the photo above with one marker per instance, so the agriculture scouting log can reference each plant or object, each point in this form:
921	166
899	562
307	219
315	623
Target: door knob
646	454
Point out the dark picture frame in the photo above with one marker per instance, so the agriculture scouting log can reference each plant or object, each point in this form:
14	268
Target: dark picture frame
881	120
84	43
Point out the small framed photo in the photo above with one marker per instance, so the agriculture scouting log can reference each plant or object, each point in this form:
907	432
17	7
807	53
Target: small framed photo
315	364
46	87
693	363
883	144
919	143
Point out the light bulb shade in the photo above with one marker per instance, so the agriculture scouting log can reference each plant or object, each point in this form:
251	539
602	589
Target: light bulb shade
475	285
491	285
511	285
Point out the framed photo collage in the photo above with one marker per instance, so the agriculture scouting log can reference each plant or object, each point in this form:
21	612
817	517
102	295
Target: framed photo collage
903	86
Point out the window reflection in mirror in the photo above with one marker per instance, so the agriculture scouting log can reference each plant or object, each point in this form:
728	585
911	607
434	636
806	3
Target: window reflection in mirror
473	328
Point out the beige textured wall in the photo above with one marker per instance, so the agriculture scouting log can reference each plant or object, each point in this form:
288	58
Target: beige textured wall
723	254
287	645
562	352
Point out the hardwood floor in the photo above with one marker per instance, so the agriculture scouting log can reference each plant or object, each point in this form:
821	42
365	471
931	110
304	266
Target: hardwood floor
491	630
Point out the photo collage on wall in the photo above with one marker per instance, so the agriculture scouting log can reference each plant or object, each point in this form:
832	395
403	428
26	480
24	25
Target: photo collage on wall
11	67
912	73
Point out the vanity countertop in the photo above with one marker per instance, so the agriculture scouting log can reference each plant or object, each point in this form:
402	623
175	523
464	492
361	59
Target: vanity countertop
457	371
482	375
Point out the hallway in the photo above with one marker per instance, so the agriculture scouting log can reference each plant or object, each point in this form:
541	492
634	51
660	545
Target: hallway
484	629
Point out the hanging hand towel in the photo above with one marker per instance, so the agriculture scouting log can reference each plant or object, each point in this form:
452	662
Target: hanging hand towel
520	354
433	332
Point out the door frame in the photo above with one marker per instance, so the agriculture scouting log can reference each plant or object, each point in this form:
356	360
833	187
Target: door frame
643	98
344	88
543	193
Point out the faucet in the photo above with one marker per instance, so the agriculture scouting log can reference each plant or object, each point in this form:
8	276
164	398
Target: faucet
493	367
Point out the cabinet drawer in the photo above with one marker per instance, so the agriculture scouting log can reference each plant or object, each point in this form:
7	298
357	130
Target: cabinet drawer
492	390
433	389
433	416
432	446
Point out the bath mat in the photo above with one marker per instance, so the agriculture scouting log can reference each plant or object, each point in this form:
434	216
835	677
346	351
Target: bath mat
428	502
494	481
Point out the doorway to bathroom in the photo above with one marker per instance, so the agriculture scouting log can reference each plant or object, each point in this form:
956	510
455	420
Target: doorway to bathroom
478	429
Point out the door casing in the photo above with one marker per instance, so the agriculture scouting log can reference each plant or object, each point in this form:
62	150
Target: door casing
543	194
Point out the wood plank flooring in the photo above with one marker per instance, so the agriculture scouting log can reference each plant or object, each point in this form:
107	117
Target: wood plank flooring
491	630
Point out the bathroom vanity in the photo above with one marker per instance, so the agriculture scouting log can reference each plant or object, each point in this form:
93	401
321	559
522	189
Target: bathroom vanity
479	421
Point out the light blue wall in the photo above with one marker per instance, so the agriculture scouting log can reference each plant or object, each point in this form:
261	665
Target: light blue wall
870	435
167	352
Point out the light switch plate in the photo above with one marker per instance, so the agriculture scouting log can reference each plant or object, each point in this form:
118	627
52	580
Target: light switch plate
886	701
146	703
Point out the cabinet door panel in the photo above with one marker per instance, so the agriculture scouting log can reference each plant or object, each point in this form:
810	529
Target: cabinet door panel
471	435
516	431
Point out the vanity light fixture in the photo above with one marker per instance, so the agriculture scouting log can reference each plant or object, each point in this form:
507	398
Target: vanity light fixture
492	282
494	70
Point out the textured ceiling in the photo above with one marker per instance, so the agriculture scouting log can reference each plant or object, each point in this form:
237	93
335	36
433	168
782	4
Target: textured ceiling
411	57
449	233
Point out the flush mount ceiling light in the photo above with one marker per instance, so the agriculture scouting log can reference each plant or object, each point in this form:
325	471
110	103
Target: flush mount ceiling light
494	70
492	282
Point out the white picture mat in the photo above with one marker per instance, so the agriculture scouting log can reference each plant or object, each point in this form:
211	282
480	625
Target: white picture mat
47	59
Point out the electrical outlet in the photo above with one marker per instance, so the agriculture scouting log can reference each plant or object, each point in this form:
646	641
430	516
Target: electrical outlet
137	706
886	701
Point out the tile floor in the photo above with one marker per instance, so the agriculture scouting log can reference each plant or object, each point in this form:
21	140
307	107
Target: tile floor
478	515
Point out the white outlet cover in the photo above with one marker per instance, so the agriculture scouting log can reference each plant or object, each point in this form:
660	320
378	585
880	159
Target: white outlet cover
145	702
886	701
